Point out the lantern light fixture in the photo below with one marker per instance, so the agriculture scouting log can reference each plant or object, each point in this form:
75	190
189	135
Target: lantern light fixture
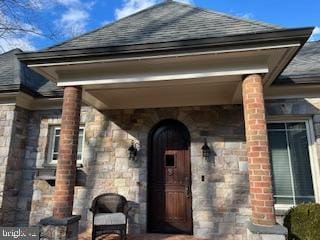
133	151
206	151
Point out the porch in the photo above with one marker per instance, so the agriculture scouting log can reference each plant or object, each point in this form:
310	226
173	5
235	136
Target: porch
213	80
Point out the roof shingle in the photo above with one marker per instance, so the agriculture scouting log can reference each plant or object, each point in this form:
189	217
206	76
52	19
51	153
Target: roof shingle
306	63
165	22
8	68
15	75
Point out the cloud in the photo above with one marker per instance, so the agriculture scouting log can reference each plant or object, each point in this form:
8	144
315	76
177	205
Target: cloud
71	19
132	6
9	43
185	1
315	34
74	22
16	33
247	15
105	22
75	18
68	2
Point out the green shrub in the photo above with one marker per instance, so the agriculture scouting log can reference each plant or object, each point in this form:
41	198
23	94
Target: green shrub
303	222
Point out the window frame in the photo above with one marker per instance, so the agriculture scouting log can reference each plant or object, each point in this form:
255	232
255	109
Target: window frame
51	143
312	147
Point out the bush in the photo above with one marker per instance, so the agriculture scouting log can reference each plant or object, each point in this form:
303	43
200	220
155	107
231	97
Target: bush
303	222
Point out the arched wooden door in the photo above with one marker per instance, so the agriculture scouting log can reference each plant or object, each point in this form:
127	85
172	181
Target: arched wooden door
169	179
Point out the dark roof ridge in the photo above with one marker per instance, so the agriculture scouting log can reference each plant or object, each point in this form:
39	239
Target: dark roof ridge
104	26
10	51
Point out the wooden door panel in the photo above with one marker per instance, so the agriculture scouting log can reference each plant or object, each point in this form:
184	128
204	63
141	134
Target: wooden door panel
176	207
169	203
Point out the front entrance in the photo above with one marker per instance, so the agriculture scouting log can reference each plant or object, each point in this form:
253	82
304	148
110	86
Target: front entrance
169	181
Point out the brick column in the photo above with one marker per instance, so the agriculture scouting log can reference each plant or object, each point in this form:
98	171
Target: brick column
66	166
257	152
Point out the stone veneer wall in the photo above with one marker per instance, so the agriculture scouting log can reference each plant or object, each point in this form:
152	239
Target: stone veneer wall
6	125
12	152
220	203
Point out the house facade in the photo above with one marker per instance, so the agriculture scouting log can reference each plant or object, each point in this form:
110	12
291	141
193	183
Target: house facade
224	114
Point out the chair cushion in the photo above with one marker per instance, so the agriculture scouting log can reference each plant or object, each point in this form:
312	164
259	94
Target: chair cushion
109	219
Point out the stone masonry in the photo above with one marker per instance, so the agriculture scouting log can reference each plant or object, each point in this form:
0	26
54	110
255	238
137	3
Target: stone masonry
221	206
12	153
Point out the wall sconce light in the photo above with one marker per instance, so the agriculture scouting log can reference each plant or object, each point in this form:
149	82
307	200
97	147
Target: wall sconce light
133	151
206	151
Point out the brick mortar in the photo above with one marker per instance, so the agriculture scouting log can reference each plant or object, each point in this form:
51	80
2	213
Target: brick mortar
262	204
68	145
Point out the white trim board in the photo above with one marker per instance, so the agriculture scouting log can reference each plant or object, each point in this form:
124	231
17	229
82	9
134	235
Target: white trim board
168	77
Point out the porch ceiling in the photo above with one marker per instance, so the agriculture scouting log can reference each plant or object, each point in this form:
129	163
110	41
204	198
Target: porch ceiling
184	79
206	91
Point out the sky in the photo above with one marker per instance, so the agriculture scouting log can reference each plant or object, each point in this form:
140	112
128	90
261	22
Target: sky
69	18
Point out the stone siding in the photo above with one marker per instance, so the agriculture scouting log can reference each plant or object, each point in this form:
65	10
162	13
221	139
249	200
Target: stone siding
6	125
220	203
35	195
13	121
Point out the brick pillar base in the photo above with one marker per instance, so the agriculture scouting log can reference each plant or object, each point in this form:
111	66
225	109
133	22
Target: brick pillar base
64	229
263	213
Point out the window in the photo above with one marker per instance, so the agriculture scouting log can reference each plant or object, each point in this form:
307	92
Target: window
170	160
291	166
54	138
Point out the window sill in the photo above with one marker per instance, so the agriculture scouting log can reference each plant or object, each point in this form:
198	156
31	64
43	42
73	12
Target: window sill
54	166
282	209
281	212
48	173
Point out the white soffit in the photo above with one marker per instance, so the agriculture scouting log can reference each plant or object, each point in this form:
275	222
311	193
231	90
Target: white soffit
170	95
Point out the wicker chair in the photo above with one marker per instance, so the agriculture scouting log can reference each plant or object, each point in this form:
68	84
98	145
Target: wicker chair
110	215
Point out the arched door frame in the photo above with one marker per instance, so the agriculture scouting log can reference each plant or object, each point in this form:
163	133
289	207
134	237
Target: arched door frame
163	123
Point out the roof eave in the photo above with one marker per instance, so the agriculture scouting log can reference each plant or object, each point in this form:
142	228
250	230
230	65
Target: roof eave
300	35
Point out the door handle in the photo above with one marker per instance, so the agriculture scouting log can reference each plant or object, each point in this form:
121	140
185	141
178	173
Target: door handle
188	187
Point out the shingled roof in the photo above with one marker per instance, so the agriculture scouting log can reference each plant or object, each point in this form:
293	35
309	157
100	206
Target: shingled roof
306	64
8	68
166	22
15	75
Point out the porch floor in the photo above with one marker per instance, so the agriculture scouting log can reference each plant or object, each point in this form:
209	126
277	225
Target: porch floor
87	236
